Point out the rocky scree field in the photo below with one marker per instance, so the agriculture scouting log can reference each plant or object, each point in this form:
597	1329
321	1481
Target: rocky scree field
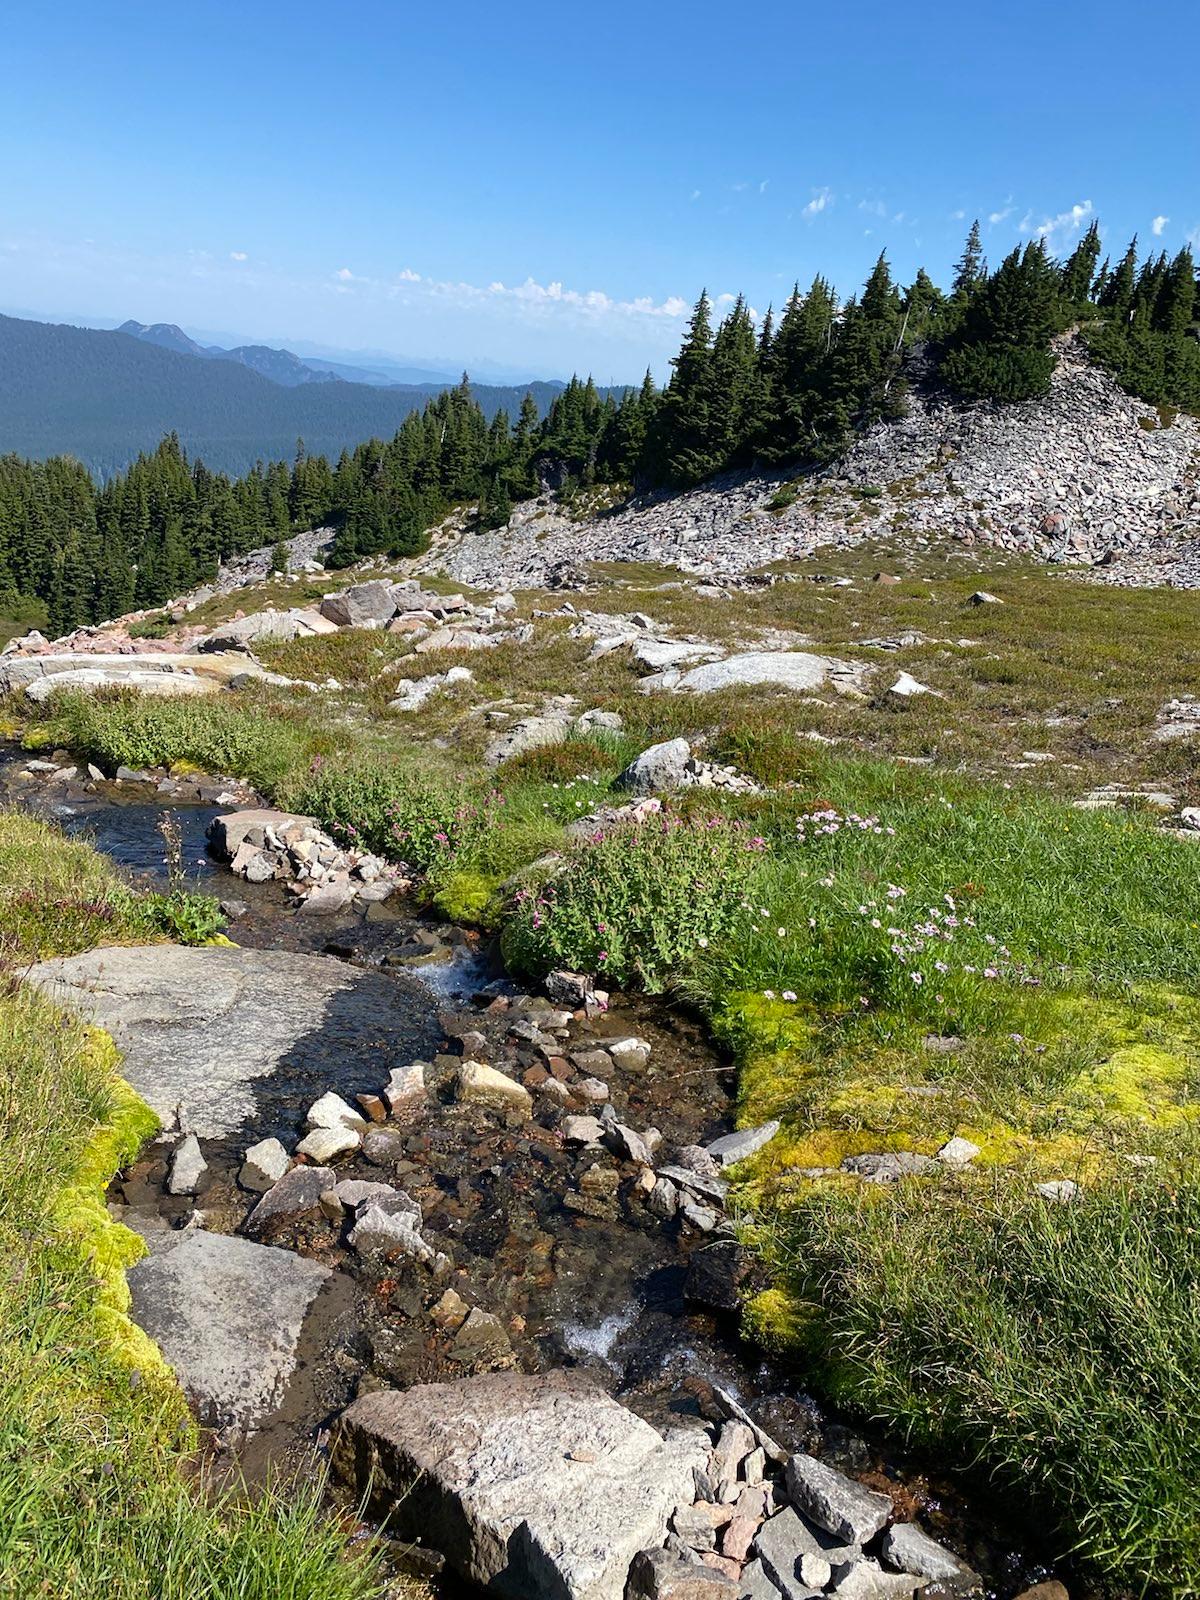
915	830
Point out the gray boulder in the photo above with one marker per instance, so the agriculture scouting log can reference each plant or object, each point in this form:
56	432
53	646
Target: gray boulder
537	1487
260	627
364	605
199	1025
227	1315
660	768
798	670
662	1575
530	733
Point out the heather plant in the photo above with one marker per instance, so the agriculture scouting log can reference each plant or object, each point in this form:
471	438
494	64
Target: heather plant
638	904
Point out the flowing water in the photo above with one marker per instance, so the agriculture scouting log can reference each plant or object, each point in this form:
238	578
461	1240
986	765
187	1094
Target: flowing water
594	1284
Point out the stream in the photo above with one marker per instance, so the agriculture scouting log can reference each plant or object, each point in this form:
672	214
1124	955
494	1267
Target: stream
576	1274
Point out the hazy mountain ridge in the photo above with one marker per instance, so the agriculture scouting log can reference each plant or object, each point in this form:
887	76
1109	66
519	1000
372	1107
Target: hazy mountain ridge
104	396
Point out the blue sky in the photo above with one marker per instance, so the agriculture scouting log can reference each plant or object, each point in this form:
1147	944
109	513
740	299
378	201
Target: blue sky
548	186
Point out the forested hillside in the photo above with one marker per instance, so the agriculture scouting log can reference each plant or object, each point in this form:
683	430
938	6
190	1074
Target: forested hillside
104	396
796	391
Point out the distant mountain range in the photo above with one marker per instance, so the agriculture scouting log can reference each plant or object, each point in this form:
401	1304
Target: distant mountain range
282	366
104	395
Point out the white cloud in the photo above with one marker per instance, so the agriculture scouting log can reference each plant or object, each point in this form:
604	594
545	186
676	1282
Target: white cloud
873	208
344	274
1193	238
762	188
958	216
822	198
1157	226
695	194
407	275
237	255
995	217
1057	230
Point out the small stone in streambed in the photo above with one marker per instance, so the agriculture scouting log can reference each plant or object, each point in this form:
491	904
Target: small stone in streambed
628	1054
405	1088
331	1111
384	1147
481	1341
187	1168
663	1575
834	1502
373	1107
263	1165
389	1233
297	1191
483	1085
582	1130
450	1312
327	1144
909	1549
1050	1589
595	1063
716	1273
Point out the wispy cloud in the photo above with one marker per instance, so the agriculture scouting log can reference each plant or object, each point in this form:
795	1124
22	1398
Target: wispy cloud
237	255
1057	230
762	188
997	217
822	199
958	216
530	296
873	208
1157	226
695	194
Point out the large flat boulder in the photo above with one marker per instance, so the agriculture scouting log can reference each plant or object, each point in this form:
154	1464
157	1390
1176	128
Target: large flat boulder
798	670
227	1314
210	1028
163	685
538	1487
19	672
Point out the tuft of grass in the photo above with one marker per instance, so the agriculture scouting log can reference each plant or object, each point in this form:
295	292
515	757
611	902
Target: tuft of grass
1057	1346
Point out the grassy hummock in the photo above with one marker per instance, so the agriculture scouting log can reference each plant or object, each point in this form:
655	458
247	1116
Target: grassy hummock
98	1496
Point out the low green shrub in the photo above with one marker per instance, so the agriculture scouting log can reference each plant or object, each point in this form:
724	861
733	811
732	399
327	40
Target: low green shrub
219	734
639	903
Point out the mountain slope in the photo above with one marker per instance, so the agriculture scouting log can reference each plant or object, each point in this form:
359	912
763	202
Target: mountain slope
167	335
104	396
1085	473
280	366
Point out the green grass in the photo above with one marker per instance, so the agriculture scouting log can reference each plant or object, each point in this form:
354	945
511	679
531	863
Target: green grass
1055	1346
98	1495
